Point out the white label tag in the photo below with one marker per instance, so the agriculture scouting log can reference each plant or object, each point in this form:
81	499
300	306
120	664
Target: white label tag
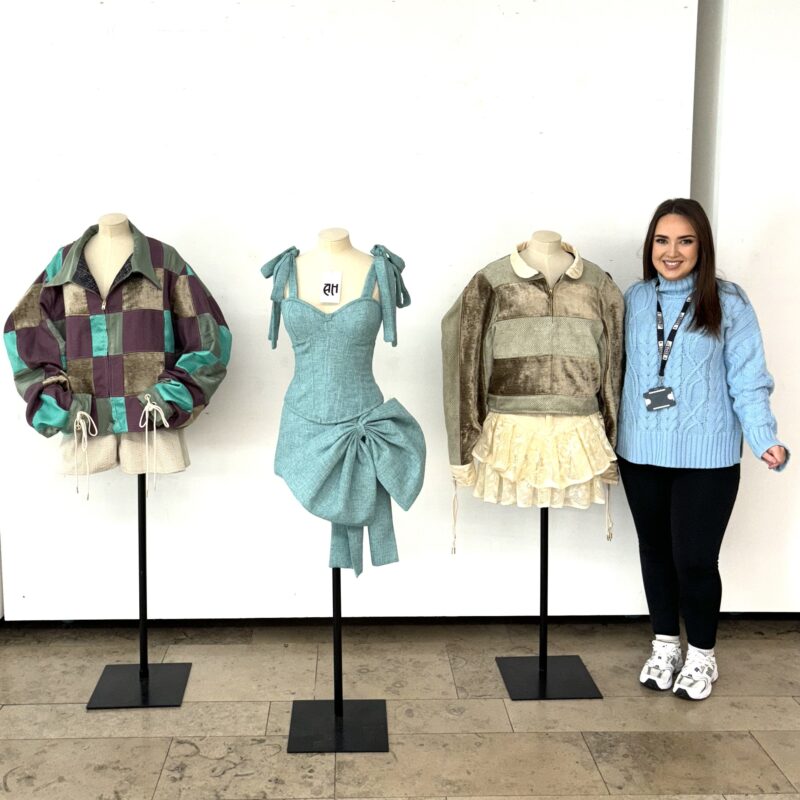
330	288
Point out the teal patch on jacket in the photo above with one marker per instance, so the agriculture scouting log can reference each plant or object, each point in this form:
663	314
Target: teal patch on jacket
49	415
169	333
175	392
226	339
54	267
10	341
192	362
99	335
119	415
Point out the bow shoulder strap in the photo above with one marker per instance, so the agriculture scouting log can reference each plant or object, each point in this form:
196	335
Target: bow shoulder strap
393	292
282	270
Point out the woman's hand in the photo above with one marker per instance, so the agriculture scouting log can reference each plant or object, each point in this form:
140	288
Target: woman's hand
775	456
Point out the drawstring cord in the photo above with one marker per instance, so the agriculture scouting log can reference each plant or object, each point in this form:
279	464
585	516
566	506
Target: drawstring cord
85	427
455	516
609	521
158	415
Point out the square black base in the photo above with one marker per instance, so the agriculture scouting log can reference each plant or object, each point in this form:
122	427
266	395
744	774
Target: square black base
120	686
362	729
567	678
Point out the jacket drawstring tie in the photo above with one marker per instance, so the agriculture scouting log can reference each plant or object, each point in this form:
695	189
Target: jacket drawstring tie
84	426
157	416
455	516
609	521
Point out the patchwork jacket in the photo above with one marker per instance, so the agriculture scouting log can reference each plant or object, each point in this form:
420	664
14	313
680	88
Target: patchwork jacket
158	333
515	346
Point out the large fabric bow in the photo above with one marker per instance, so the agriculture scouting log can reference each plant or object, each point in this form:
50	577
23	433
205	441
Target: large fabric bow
357	465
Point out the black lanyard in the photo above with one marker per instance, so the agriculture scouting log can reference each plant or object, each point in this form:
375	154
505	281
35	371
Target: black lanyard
665	348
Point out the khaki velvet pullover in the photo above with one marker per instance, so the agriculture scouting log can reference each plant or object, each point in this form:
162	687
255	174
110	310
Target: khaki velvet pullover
514	346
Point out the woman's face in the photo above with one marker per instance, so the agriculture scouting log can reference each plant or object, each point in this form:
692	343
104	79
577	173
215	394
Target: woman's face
675	247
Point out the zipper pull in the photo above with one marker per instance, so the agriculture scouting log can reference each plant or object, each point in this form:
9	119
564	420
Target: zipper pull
103	305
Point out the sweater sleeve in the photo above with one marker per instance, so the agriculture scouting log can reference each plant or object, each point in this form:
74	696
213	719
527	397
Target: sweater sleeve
749	383
34	341
200	351
463	330
612	308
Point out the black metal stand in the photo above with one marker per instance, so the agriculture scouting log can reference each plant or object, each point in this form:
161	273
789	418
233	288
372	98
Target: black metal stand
141	685
338	725
546	677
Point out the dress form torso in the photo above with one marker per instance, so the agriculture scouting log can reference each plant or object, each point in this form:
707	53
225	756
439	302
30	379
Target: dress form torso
543	253
108	250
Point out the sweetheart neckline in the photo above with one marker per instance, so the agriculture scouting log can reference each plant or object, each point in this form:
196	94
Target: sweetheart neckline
336	311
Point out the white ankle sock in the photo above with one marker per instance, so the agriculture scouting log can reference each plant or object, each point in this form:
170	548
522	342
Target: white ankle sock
701	650
661	637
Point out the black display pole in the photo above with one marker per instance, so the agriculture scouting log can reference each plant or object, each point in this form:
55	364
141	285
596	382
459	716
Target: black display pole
546	677
338	725
141	685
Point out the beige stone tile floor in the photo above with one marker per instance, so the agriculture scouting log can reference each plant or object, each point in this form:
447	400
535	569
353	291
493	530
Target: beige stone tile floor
453	732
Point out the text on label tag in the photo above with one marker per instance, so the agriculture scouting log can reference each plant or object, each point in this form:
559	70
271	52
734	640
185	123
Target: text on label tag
331	287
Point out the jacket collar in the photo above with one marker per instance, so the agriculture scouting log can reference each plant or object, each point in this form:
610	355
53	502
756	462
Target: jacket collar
139	261
575	270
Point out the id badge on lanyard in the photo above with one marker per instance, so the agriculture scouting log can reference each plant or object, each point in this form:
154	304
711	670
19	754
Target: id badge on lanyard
661	397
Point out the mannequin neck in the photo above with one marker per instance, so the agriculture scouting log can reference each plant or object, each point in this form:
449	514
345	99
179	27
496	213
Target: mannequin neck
113	226
334	240
544	244
108	249
544	253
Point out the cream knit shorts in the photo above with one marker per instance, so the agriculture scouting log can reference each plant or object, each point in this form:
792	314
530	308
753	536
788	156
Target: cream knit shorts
126	450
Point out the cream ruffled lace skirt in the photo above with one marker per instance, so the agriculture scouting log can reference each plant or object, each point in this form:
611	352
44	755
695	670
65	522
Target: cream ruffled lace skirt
546	461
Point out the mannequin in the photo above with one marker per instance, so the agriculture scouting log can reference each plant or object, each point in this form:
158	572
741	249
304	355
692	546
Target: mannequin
334	253
554	389
342	449
108	250
544	253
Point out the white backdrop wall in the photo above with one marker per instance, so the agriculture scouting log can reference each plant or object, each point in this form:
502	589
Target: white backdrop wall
447	131
752	177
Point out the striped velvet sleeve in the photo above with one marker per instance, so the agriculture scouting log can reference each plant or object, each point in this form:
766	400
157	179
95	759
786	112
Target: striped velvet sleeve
463	330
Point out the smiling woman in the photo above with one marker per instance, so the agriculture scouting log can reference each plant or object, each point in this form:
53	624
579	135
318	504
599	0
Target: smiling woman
679	239
690	392
675	247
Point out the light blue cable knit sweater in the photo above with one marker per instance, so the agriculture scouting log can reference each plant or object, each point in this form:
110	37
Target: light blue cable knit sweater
722	386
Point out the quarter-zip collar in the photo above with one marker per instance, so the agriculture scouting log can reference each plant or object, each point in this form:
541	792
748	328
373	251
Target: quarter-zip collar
74	267
575	269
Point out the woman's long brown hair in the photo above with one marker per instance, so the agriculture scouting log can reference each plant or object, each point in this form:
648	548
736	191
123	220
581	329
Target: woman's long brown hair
707	308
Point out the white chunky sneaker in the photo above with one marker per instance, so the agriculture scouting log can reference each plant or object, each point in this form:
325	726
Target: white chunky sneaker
658	670
698	673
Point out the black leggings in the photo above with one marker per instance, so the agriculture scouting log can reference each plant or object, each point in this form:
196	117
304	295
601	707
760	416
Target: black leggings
681	516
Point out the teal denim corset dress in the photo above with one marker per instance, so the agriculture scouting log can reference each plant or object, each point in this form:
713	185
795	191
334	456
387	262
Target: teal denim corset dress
341	449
